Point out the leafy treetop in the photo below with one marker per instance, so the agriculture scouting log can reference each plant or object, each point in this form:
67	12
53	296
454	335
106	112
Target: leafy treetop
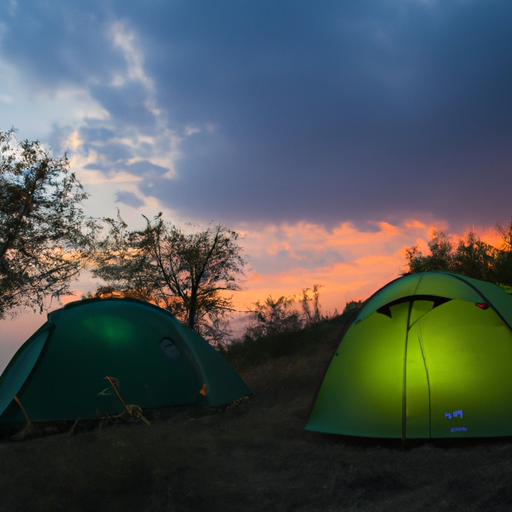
45	238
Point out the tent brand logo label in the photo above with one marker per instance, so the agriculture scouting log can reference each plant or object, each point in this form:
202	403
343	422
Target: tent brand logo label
454	414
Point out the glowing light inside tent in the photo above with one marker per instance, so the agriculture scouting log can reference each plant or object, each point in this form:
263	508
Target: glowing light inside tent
113	329
423	362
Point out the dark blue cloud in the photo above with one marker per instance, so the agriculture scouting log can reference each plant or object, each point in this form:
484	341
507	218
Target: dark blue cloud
324	111
126	104
114	153
129	199
345	114
147	169
97	133
59	42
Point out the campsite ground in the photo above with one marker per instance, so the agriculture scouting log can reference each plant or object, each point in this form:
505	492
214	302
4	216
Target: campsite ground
252	456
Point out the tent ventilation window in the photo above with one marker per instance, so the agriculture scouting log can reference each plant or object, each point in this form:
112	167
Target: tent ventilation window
436	301
170	349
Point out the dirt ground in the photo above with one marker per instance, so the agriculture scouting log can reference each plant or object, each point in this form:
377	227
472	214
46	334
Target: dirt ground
253	456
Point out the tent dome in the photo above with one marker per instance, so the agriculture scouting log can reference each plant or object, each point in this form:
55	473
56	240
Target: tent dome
59	372
428	356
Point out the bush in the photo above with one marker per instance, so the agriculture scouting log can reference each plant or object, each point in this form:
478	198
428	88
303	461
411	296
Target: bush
249	351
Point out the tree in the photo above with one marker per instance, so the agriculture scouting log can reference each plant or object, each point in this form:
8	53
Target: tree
45	237
475	258
187	273
471	257
503	256
440	257
274	317
311	295
351	310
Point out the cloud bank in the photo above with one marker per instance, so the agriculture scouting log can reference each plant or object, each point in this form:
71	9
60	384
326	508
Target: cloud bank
334	134
281	111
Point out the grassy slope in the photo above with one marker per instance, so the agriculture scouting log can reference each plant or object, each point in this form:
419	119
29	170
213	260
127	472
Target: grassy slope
252	456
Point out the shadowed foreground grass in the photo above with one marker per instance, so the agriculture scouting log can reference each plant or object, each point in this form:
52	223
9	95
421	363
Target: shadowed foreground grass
252	456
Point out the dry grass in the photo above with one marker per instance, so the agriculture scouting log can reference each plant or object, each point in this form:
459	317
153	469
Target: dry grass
254	456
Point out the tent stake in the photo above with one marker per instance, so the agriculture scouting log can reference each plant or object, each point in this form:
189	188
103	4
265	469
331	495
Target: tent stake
131	409
28	428
29	422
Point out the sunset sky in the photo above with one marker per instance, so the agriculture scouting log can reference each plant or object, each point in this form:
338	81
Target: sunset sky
332	135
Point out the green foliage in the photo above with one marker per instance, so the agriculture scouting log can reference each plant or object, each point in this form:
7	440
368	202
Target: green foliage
440	257
45	238
250	352
351	311
475	258
503	255
187	273
274	317
471	257
311	296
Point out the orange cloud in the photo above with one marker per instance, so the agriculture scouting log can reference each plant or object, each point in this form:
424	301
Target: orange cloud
349	263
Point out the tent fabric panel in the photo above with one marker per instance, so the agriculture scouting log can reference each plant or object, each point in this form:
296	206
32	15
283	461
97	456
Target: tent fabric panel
20	366
107	340
470	376
222	384
457	376
449	285
417	395
362	391
401	287
121	338
498	298
440	284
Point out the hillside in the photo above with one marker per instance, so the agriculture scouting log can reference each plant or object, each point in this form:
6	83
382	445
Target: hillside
252	456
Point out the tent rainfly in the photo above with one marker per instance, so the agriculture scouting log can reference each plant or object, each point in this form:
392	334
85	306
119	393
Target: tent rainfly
428	356
60	372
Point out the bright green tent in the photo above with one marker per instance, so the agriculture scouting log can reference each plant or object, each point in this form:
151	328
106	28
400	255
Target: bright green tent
428	356
59	373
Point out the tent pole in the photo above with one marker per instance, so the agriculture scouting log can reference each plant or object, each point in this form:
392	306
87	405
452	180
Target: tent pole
404	379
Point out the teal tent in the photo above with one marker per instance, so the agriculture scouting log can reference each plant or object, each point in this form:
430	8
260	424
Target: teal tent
59	372
428	356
